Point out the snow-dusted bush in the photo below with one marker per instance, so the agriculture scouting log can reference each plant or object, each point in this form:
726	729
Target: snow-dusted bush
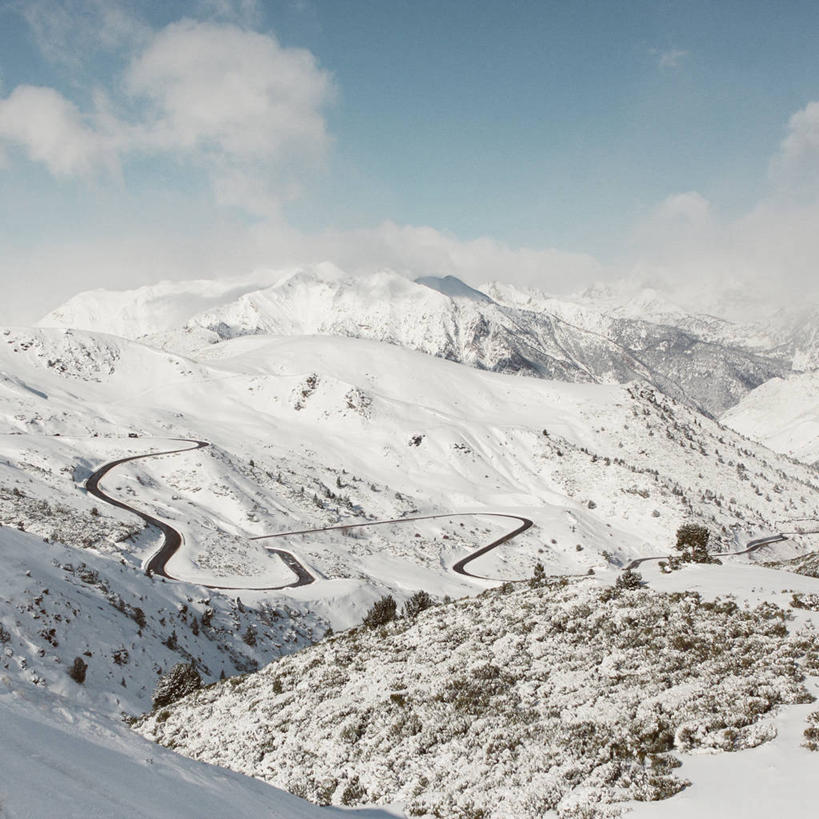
811	733
381	612
420	601
77	670
520	701
181	680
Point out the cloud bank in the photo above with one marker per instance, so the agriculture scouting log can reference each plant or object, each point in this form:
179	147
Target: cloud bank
766	257
234	102
221	102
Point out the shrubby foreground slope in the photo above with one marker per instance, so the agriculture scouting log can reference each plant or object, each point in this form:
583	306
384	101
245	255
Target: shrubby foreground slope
566	697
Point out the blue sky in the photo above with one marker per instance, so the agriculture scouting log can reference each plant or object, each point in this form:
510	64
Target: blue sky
553	141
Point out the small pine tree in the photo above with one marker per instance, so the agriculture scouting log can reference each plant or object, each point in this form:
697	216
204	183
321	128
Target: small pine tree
77	670
629	579
181	680
692	541
381	612
538	576
250	636
172	641
139	617
416	604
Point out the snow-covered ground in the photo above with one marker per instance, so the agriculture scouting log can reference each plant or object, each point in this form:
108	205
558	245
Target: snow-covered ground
59	761
311	431
783	414
559	700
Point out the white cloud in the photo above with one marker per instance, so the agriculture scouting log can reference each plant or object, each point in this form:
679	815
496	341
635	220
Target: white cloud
220	88
795	167
237	104
146	252
765	257
672	58
53	131
684	209
66	31
427	251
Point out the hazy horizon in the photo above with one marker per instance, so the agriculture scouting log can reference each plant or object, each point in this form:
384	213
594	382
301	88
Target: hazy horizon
547	145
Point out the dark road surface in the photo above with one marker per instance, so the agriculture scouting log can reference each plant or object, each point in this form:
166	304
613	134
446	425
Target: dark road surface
459	567
172	538
752	546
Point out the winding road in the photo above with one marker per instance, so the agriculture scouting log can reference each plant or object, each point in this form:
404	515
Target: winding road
752	546
172	538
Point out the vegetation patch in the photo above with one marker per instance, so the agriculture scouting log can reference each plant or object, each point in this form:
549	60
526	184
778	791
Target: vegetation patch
560	696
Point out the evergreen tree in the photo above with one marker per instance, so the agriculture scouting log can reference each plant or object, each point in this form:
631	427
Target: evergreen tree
692	541
629	579
181	680
381	612
416	604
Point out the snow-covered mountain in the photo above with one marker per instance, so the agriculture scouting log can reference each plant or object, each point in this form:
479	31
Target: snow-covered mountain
783	414
335	407
698	358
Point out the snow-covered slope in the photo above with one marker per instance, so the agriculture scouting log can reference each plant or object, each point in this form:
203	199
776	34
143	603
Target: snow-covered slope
58	762
307	431
528	702
696	357
783	414
310	431
63	749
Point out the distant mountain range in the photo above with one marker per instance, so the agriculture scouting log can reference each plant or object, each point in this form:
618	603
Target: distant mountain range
597	336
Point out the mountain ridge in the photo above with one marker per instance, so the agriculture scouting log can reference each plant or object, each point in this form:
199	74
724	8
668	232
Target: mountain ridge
499	328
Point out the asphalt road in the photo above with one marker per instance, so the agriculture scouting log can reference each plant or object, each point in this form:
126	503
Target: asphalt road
172	538
753	545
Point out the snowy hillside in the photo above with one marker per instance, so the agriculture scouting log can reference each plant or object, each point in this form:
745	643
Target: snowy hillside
383	468
529	702
783	414
699	358
58	761
310	431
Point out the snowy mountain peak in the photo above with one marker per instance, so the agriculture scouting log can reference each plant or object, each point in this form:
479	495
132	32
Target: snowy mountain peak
610	333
